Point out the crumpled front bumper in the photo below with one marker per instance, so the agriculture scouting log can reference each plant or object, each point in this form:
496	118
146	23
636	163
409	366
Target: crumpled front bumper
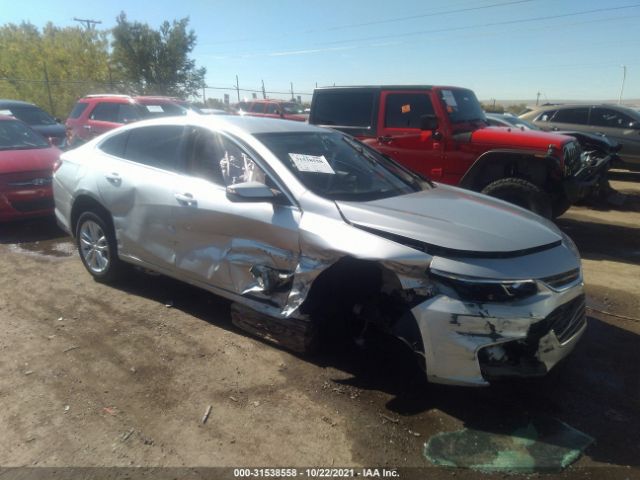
471	344
591	175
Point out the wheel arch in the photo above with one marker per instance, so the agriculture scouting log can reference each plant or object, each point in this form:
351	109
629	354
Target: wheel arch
86	202
495	164
361	280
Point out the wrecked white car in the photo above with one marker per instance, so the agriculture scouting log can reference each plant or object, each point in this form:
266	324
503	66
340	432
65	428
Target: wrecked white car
305	228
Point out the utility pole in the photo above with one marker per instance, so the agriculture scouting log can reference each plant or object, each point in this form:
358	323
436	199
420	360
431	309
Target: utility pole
238	88
264	93
46	79
624	76
293	98
537	98
87	22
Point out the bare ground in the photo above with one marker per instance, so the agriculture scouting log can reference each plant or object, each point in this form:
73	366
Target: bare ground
97	376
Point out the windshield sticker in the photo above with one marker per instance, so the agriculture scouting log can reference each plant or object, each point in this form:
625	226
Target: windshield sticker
155	108
406	108
450	100
311	163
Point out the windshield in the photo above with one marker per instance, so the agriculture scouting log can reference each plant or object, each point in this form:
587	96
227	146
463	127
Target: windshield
16	135
31	115
337	167
292	108
462	105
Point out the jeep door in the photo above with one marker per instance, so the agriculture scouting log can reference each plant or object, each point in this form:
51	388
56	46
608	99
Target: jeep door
138	174
400	136
228	244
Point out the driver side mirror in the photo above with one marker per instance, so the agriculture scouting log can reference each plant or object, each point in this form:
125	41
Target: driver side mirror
428	122
251	192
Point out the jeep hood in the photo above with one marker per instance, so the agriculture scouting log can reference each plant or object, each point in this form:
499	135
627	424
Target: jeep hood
450	221
516	138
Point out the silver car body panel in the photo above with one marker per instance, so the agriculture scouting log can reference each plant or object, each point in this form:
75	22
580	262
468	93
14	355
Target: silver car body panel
267	255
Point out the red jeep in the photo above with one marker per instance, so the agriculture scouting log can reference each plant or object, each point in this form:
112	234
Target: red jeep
442	133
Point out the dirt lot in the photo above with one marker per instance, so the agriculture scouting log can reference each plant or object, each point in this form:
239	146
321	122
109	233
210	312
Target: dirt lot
92	375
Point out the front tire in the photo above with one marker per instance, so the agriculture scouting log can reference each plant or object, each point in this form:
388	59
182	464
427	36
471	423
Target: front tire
522	193
97	247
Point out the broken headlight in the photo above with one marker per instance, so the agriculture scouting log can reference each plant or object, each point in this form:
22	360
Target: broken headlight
481	290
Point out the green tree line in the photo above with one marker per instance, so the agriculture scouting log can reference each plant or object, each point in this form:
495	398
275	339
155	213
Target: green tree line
55	66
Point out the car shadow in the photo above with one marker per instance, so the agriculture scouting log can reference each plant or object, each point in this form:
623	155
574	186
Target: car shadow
624	175
595	390
30	231
598	241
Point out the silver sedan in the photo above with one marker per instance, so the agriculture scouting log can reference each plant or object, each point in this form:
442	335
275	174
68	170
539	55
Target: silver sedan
307	230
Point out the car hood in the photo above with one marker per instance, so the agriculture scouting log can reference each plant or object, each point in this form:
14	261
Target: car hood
14	161
517	138
450	221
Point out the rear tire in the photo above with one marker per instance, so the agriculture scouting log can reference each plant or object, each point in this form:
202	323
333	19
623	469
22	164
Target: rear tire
97	247
522	193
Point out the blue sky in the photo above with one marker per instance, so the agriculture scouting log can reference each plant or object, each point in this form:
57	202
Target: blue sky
503	49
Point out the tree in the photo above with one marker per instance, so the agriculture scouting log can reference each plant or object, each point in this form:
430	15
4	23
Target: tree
157	61
54	67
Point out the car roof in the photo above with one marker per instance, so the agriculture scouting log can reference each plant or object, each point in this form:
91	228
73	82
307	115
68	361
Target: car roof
5	103
247	124
380	87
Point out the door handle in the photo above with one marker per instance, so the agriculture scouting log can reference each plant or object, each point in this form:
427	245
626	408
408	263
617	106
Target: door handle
186	199
87	127
385	139
114	178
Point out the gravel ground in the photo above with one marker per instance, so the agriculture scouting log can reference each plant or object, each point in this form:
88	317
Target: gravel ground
101	376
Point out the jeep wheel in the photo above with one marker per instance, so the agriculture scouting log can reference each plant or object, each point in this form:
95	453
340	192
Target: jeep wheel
97	247
522	193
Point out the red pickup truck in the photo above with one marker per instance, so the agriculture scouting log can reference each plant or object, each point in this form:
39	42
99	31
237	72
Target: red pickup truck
442	133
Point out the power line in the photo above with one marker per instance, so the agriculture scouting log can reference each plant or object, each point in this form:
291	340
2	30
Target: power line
423	15
377	22
491	24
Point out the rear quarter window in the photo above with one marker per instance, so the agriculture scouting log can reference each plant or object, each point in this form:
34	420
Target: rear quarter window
115	145
344	109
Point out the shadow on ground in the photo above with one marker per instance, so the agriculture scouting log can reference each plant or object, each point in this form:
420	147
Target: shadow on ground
597	241
596	389
30	231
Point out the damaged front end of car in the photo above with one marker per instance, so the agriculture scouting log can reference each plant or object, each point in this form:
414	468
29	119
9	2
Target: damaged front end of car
470	317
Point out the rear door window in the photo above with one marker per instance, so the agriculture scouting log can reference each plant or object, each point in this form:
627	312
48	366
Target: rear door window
572	115
158	146
105	112
403	110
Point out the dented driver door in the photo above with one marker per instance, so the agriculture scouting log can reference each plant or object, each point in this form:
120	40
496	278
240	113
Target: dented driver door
249	248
